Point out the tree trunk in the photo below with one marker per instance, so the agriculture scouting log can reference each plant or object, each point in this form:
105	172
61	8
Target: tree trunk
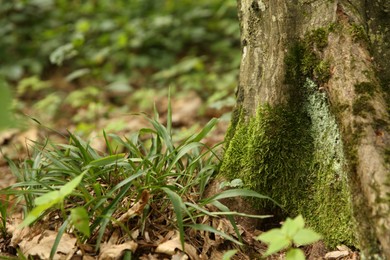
311	124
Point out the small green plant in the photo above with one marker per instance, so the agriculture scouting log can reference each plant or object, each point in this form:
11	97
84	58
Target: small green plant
292	232
95	192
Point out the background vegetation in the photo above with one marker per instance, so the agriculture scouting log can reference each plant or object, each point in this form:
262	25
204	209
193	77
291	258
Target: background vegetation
62	57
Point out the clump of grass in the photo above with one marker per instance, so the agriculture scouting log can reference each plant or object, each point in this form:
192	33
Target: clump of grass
89	193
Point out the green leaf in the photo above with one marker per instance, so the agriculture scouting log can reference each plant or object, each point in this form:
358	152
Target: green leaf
291	226
177	206
80	220
34	214
228	254
295	254
49	199
277	245
271	236
276	239
68	188
305	237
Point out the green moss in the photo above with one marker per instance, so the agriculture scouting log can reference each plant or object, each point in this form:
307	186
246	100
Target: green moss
303	61
362	106
318	38
330	190
321	71
387	156
294	155
365	88
236	115
268	154
358	33
293	152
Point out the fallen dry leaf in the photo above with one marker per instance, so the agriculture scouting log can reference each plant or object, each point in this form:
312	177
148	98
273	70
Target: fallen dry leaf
108	251
169	247
136	209
179	256
149	257
336	254
40	245
343	248
17	234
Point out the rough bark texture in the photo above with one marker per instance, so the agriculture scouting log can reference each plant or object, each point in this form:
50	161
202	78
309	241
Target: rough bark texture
307	64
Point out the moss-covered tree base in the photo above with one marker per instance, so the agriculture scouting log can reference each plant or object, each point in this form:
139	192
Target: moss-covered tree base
295	156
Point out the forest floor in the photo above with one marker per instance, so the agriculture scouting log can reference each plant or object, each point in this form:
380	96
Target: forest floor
189	114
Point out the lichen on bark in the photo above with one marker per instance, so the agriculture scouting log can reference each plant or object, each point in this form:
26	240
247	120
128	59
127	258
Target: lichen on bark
295	157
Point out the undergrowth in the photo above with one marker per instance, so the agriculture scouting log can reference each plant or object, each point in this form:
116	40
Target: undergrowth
144	181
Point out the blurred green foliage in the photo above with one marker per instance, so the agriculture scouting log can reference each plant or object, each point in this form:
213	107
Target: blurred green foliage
5	101
78	56
194	44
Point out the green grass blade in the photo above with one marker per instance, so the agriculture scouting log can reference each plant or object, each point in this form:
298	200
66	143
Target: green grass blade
204	132
215	231
223	208
163	133
178	205
226	213
105	217
123	183
238	193
107	160
57	241
108	144
85	155
182	152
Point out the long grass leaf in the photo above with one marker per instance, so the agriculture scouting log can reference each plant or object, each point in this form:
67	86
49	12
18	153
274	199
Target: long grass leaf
215	231
57	241
178	205
105	217
107	160
238	193
223	208
227	213
123	183
163	133
86	157
204	132
183	151
108	144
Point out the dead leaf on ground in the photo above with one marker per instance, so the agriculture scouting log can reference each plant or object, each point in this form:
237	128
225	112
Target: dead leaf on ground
41	245
336	254
108	251
149	257
136	209
169	247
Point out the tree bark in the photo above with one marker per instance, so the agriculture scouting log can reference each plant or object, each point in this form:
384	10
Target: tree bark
305	63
